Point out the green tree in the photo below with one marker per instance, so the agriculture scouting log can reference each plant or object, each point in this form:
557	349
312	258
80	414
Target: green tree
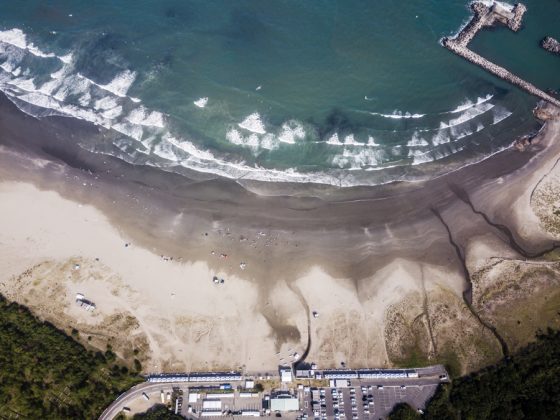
46	374
525	386
158	412
403	411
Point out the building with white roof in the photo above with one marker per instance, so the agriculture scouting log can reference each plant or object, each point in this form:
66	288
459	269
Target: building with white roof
285	375
284	402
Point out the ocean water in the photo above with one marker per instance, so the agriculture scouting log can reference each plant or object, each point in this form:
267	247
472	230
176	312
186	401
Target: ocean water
346	92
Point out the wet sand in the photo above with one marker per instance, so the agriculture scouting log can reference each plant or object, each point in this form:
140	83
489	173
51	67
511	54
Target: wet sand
348	253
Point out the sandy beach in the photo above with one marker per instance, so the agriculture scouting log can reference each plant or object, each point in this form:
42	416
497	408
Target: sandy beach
385	268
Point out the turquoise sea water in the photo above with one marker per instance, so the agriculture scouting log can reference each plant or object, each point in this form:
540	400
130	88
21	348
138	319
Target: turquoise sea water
326	91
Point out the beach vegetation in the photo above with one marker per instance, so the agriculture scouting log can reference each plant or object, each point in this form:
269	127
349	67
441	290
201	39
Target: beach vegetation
47	374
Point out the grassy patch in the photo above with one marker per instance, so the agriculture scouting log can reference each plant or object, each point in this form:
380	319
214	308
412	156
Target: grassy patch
519	320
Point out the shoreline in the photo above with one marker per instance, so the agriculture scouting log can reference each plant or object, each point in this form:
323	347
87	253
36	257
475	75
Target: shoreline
351	255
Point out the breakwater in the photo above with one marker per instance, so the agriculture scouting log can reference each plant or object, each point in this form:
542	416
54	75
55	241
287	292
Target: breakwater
550	44
487	16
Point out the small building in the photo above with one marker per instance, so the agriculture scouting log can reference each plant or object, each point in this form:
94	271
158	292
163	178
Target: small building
340	374
248	394
211	413
222	394
339	383
211	404
249	384
284	402
305	373
251	413
285	375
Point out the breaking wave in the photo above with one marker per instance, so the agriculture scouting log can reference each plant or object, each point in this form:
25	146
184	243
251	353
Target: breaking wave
469	104
399	115
61	89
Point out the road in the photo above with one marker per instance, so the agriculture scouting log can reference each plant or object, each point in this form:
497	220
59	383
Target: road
127	397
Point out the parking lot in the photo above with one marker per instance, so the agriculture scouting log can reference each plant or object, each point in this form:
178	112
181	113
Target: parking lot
363	400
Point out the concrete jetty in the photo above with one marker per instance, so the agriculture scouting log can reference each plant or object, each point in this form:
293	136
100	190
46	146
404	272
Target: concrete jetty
488	16
550	44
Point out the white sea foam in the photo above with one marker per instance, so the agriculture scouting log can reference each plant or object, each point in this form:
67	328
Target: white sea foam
109	114
18	39
26	84
41	100
128	129
467	115
75	84
66	59
188	147
12	56
252	141
121	83
334	141
469	104
85	99
397	115
461	133
36	51
291	131
165	150
349	140
7	67
419	156
371	142
235	137
105	103
417	141
269	142
201	102
356	159
15	37
500	114
396	150
253	123
441	137
142	116
58	74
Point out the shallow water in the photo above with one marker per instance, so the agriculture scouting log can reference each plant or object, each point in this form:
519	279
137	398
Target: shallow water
325	91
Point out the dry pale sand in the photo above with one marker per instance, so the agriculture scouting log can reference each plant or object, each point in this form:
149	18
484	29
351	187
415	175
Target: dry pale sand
173	311
187	320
